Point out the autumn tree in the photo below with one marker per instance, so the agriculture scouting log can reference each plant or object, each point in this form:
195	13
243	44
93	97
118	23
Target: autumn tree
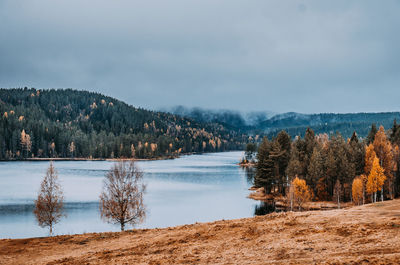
364	179
357	191
49	205
384	152
376	179
369	158
121	200
71	148
26	142
302	192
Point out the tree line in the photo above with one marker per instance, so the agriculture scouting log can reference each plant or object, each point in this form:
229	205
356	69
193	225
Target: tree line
331	167
80	124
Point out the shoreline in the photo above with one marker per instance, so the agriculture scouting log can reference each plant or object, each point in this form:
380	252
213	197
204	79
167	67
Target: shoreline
111	159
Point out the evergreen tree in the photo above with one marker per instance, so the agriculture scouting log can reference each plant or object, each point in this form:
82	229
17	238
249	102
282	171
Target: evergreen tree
371	135
264	170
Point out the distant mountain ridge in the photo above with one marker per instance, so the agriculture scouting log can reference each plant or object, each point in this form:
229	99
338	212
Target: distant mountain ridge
295	123
330	123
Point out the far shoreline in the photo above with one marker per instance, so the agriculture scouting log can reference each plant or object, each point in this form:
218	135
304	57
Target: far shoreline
36	159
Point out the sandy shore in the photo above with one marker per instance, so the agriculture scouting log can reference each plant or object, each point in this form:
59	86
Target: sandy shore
367	234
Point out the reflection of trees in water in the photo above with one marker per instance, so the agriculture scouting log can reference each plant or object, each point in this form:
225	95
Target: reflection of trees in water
250	173
264	208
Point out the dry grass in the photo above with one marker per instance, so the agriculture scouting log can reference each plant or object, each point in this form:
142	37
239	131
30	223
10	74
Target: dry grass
361	235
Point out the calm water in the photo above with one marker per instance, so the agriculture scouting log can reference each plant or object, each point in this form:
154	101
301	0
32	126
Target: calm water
196	188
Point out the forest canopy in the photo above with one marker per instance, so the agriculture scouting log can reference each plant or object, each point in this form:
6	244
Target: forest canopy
333	167
66	123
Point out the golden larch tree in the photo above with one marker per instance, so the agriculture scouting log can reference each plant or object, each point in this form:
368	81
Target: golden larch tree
384	151
369	158
302	192
376	179
357	190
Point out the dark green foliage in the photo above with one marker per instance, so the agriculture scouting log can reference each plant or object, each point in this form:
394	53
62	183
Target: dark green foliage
371	135
330	123
265	166
273	158
395	133
357	154
100	127
251	149
319	160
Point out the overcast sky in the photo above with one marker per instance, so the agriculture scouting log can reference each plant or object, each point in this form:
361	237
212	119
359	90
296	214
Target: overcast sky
303	56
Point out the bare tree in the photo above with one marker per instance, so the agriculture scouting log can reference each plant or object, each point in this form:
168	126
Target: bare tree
121	200
49	205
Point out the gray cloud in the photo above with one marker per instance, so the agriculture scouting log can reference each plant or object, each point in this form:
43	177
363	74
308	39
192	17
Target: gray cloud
305	56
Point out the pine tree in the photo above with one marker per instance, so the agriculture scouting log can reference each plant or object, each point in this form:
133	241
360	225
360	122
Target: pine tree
264	171
371	135
357	154
315	170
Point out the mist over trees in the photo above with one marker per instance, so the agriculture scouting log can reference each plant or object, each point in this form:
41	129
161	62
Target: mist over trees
334	168
69	123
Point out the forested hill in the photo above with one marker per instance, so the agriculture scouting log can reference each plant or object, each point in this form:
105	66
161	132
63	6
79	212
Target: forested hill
330	123
70	123
264	123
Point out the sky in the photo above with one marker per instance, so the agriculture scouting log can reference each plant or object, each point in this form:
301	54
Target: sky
254	55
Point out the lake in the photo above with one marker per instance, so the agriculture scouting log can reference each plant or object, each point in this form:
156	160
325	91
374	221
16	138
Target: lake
189	189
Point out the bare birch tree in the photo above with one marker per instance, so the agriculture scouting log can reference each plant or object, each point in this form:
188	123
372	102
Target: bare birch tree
121	200
49	205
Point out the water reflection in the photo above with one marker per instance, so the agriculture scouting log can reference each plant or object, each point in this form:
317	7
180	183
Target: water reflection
264	208
250	173
197	188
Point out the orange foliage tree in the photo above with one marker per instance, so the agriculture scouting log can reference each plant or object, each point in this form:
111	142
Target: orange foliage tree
384	151
376	179
369	158
357	190
302	192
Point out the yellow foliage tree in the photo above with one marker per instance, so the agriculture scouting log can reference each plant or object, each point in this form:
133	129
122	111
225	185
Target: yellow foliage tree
26	142
357	190
369	158
376	179
302	192
384	151
364	179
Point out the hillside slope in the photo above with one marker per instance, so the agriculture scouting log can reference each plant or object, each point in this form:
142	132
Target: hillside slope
346	124
360	235
70	123
265	123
